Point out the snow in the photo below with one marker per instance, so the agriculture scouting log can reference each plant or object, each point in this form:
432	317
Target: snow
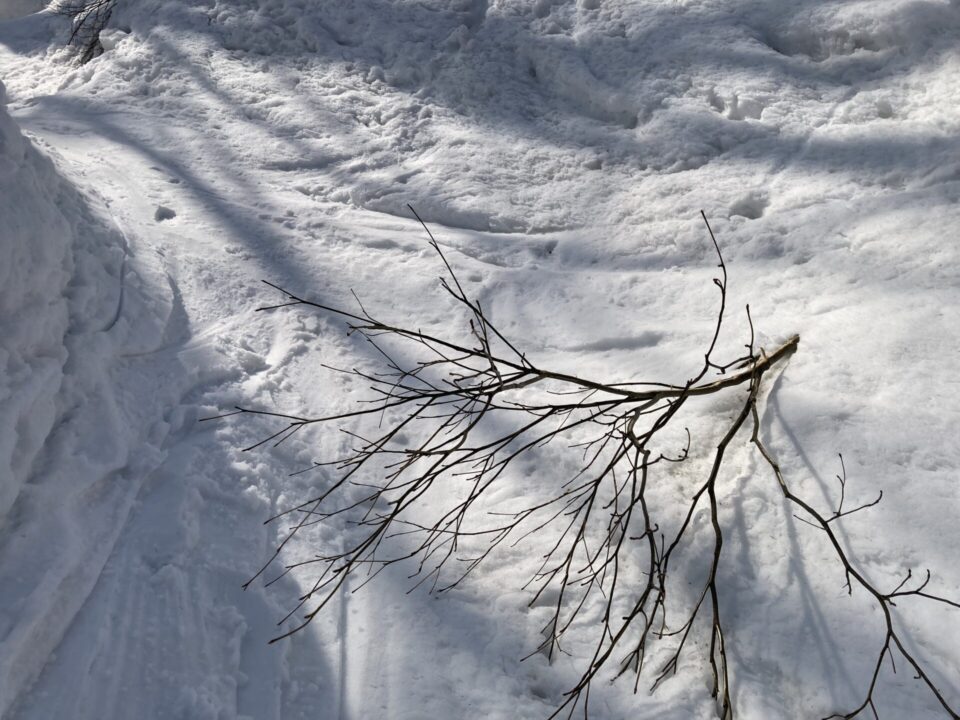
561	152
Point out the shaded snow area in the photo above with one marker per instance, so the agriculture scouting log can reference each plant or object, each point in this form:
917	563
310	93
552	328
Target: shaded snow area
560	151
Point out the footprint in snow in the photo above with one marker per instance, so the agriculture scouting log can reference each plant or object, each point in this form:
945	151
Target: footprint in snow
164	213
751	206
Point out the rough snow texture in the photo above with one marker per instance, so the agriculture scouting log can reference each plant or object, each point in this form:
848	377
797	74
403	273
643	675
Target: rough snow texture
36	265
74	446
561	151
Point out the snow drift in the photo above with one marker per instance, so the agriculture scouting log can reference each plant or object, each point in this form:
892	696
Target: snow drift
72	454
36	264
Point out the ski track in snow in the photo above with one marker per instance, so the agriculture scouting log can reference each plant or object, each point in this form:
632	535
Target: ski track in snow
561	152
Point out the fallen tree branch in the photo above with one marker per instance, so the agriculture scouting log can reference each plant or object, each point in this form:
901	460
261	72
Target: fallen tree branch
446	429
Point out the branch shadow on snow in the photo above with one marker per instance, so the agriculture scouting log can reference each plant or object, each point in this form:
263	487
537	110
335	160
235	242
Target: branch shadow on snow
847	646
479	71
241	225
165	630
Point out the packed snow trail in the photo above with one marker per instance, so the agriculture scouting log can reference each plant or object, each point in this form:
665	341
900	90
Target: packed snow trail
561	151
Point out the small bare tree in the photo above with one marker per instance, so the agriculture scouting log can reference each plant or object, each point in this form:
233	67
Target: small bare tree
88	19
462	414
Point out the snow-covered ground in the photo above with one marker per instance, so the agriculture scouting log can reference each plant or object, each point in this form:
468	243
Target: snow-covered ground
561	152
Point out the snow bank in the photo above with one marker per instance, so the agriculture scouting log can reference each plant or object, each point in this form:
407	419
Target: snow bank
75	306
36	263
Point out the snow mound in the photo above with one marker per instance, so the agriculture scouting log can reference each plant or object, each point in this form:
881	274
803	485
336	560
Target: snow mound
75	308
36	262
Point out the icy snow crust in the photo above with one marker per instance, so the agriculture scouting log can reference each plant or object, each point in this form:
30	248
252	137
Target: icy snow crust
560	152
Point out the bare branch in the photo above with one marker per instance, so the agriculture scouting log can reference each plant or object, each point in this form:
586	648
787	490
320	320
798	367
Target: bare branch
443	431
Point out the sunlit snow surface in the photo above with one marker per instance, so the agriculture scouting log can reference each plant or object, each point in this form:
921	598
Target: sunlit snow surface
561	152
